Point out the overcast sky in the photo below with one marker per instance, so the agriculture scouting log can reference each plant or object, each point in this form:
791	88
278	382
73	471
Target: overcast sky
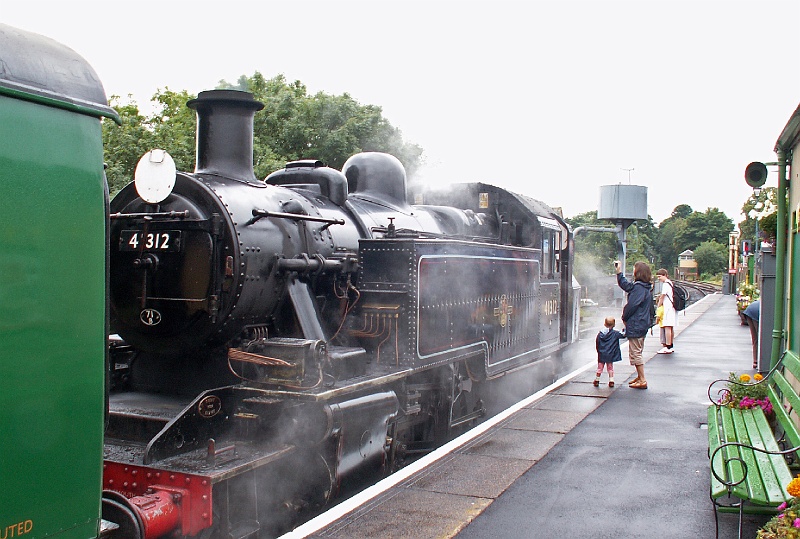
552	99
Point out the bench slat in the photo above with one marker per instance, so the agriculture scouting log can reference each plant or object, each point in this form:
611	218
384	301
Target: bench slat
791	363
717	488
753	486
789	394
769	466
781	470
734	470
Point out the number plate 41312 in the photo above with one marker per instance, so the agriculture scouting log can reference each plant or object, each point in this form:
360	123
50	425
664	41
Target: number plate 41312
161	240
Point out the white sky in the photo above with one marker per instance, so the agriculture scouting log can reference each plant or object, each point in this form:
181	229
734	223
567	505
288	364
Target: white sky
552	99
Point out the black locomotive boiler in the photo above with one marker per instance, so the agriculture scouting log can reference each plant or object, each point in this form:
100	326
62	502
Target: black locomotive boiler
280	339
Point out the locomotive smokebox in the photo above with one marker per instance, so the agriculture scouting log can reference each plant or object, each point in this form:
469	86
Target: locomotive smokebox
225	133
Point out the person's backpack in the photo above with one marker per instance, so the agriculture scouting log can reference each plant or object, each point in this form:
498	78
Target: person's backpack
679	297
652	315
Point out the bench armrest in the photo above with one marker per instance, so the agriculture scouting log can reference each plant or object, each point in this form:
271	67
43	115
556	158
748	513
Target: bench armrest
741	461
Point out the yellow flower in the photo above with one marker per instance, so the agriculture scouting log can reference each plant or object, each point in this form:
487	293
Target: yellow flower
744	378
757	377
793	488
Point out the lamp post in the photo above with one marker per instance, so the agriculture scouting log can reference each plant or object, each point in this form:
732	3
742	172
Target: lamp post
755	175
755	214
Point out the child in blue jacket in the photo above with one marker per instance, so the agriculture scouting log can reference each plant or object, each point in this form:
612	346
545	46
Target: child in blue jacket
608	351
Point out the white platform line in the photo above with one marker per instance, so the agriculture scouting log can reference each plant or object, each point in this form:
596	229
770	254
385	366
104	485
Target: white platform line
351	504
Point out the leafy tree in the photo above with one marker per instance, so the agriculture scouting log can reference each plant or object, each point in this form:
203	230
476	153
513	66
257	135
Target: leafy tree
681	211
711	257
125	144
293	125
173	125
712	225
764	208
668	230
594	252
642	236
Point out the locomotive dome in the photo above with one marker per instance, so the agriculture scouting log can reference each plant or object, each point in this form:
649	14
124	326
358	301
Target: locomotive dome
376	174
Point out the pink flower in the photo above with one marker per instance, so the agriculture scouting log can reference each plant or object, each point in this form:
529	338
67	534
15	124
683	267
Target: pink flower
782	506
796	523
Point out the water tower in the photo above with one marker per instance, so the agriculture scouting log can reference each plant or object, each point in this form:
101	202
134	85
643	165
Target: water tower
622	205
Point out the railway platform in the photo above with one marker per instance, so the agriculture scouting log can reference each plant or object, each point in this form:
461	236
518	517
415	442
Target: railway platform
573	460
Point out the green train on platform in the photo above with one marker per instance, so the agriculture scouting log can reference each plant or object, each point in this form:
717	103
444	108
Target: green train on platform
52	289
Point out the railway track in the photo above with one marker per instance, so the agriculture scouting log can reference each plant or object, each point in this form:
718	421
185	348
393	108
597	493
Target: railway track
698	290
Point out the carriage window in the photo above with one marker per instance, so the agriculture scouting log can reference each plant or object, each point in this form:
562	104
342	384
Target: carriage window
547	267
557	249
551	246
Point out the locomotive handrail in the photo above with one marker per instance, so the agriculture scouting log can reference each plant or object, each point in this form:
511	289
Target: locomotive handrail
259	214
173	214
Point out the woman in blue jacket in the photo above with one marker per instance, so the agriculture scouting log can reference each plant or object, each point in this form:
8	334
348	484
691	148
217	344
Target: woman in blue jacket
636	315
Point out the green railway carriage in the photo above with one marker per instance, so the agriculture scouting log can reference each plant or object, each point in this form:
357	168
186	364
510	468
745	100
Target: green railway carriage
786	300
53	204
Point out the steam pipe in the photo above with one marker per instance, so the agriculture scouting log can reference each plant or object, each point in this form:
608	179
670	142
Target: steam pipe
619	230
306	263
780	261
580	229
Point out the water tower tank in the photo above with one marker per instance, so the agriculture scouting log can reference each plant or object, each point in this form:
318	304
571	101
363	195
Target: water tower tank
626	202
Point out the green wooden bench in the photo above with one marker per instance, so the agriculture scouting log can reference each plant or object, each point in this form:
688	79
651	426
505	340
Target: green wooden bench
749	460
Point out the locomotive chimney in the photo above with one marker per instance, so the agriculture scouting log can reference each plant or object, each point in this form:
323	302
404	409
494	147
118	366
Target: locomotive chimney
225	133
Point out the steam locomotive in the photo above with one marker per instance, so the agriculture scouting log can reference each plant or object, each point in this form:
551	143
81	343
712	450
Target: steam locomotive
273	341
276	341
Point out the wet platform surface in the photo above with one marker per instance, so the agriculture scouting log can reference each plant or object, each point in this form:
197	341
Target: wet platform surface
575	460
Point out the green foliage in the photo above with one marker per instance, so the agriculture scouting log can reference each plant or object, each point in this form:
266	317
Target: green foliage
784	524
768	227
711	257
665	243
595	251
293	125
124	145
746	294
739	385
688	229
712	225
764	209
681	211
173	126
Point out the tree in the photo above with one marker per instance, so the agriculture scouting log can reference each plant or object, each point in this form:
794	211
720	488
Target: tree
125	144
668	230
761	207
712	225
681	211
292	126
711	257
642	236
295	125
173	125
595	251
